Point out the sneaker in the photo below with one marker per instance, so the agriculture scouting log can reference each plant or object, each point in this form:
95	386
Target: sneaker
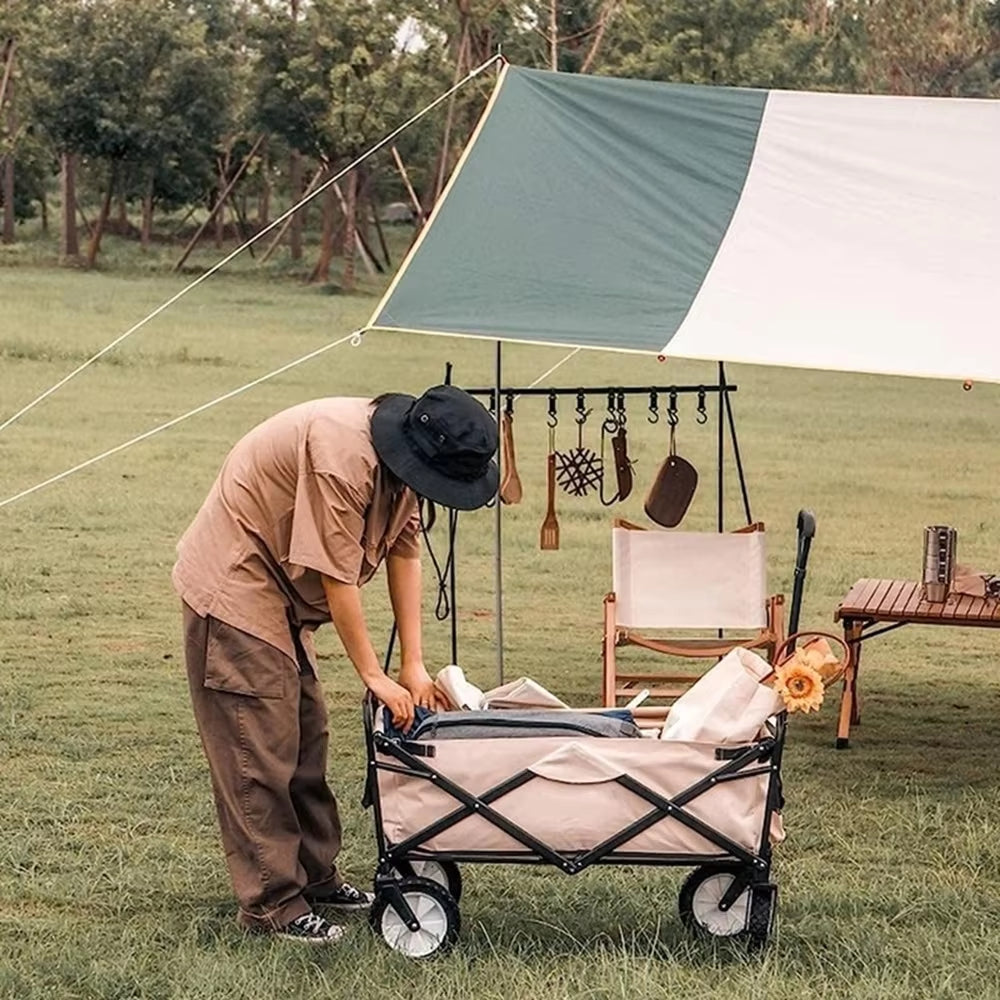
342	897
311	928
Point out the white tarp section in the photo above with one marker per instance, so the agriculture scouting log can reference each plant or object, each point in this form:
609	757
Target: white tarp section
866	238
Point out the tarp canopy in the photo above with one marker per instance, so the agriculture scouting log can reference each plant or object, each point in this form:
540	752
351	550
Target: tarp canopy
838	231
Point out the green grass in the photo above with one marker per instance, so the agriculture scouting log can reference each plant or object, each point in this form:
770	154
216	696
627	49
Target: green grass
111	878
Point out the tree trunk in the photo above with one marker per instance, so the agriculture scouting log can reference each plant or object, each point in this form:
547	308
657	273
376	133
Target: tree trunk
264	191
123	214
7	93
357	224
350	227
220	216
295	180
94	247
604	17
6	68
217	208
554	35
378	232
460	59
43	207
321	273
401	167
284	227
146	234
8	198
69	241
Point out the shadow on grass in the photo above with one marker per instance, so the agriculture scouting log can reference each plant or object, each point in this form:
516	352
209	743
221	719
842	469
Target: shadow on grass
929	735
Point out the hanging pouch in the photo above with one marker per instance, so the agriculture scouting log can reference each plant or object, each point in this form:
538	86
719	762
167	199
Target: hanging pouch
670	495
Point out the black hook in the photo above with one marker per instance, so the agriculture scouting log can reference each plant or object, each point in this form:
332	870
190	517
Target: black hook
581	408
553	416
610	424
702	417
620	407
509	405
672	417
493	402
654	407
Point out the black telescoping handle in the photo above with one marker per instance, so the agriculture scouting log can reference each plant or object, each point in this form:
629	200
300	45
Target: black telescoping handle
806	531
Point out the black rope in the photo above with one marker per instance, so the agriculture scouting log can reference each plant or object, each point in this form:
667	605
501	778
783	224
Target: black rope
442	607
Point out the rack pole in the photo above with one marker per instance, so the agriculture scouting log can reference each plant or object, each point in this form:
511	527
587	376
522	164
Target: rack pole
450	566
741	475
452	581
722	447
497	519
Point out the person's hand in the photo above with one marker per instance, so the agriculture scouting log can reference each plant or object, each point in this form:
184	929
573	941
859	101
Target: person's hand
417	681
396	698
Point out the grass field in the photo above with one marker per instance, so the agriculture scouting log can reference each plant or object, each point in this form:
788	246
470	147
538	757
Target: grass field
112	884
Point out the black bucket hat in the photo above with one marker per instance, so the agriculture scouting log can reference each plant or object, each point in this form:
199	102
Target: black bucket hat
440	445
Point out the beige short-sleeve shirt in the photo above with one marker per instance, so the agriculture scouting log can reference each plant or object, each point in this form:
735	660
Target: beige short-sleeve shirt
300	496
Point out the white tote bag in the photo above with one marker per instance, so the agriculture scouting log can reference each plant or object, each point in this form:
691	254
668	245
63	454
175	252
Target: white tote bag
726	705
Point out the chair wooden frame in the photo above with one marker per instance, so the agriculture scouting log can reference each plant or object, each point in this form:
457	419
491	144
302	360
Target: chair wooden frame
616	685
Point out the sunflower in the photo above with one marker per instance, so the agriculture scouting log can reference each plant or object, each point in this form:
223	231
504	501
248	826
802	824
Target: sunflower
800	684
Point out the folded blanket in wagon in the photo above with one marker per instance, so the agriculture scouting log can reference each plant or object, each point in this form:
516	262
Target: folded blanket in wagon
486	725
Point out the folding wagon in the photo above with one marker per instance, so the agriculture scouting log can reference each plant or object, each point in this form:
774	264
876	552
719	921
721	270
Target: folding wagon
572	790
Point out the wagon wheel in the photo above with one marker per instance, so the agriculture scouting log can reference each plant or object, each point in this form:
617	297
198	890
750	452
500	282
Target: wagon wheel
435	912
445	873
751	916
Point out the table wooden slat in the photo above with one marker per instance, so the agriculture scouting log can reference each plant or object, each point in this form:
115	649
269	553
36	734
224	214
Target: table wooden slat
891	602
967	606
987	608
902	600
913	601
879	595
857	596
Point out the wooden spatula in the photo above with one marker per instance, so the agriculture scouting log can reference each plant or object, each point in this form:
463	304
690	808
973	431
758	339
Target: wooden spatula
510	488
549	538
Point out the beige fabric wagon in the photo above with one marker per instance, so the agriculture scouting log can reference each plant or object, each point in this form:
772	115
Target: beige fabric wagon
573	795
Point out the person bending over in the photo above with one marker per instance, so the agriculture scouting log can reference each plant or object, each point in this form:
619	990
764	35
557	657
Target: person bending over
304	510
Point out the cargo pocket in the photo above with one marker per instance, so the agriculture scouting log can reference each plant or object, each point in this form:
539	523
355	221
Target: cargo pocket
239	663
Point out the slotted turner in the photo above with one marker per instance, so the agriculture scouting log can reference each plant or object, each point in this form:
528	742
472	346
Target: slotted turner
549	536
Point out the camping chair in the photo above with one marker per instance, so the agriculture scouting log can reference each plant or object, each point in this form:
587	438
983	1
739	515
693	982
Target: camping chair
668	580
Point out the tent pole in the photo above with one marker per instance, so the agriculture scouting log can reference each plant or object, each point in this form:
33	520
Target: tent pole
721	446
498	548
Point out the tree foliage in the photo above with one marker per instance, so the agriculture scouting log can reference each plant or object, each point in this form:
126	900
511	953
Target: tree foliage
160	100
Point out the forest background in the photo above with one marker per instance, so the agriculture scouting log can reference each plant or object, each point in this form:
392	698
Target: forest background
169	122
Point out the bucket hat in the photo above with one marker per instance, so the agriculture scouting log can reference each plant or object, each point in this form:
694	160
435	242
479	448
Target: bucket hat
441	445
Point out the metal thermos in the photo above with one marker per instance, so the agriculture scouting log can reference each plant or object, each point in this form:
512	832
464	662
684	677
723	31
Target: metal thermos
940	543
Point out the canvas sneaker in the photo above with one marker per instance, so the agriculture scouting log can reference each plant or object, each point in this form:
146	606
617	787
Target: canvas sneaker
342	897
311	928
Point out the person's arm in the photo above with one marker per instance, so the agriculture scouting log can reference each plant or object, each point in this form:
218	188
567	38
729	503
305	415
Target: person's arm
348	619
403	574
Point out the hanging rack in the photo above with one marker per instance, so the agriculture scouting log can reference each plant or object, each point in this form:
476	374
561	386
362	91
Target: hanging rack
499	394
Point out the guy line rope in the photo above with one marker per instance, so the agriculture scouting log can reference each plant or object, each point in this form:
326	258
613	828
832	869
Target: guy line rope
354	337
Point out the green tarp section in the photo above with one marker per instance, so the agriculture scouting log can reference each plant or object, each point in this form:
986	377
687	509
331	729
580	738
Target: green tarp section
570	179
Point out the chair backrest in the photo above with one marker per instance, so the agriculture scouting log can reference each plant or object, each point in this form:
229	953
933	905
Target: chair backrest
683	579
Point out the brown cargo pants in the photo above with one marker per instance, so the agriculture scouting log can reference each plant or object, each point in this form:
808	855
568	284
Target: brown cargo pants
263	726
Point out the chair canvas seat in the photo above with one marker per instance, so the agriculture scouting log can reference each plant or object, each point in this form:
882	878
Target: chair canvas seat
667	581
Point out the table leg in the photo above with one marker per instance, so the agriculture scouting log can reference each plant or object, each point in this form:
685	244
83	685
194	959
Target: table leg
849	711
